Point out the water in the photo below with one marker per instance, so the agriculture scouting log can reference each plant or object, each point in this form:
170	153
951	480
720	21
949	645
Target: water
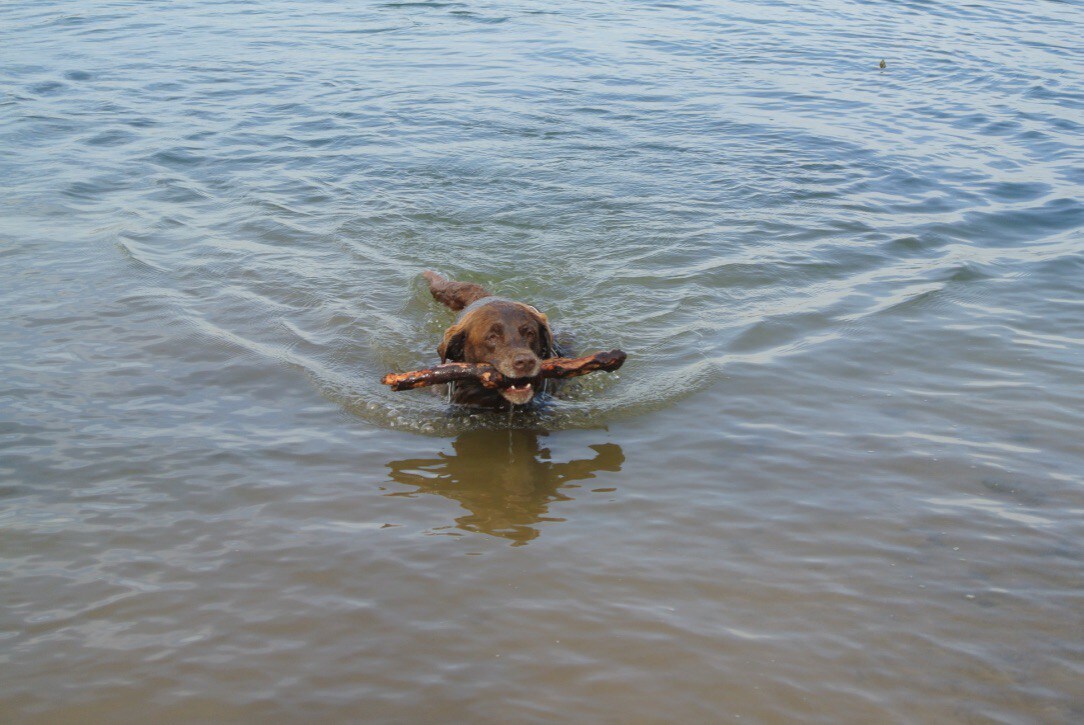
839	479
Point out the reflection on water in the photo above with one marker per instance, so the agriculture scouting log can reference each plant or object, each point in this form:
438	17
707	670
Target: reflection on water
505	478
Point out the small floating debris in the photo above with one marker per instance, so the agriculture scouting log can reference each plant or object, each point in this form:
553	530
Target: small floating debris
882	65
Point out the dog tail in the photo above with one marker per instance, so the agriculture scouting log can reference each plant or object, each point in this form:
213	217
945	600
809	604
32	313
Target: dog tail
455	295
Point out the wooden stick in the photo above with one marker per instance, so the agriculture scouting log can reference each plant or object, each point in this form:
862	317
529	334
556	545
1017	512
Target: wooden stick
488	376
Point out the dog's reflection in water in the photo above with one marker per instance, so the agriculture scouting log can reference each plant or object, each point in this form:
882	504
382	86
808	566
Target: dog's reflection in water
504	478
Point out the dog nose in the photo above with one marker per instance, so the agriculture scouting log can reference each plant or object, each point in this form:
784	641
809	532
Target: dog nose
524	363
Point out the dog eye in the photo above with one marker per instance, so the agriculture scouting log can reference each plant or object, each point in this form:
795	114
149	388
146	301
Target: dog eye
526	331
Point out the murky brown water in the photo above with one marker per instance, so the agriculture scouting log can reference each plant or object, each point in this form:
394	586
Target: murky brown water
840	479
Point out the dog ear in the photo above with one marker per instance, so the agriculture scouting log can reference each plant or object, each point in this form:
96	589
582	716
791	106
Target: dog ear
545	334
451	347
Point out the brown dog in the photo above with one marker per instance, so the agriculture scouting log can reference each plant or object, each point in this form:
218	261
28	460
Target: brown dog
510	336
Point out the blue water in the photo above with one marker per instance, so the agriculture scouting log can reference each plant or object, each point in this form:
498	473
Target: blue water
839	478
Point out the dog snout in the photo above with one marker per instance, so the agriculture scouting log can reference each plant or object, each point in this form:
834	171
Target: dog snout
525	364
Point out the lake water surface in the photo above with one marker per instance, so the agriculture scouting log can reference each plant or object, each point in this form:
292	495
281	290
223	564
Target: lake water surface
840	478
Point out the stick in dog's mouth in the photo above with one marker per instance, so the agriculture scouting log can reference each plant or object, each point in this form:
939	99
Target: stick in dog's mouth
489	377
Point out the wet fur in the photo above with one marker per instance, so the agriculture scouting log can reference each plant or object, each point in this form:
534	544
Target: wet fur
512	336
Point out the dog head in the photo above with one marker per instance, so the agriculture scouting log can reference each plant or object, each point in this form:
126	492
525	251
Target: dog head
511	336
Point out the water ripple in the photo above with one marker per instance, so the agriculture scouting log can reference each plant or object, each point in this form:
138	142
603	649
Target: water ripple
846	441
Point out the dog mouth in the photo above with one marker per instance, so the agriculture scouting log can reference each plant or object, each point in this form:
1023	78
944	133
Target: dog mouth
520	394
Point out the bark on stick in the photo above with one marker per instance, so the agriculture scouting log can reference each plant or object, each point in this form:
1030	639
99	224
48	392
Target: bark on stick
487	375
